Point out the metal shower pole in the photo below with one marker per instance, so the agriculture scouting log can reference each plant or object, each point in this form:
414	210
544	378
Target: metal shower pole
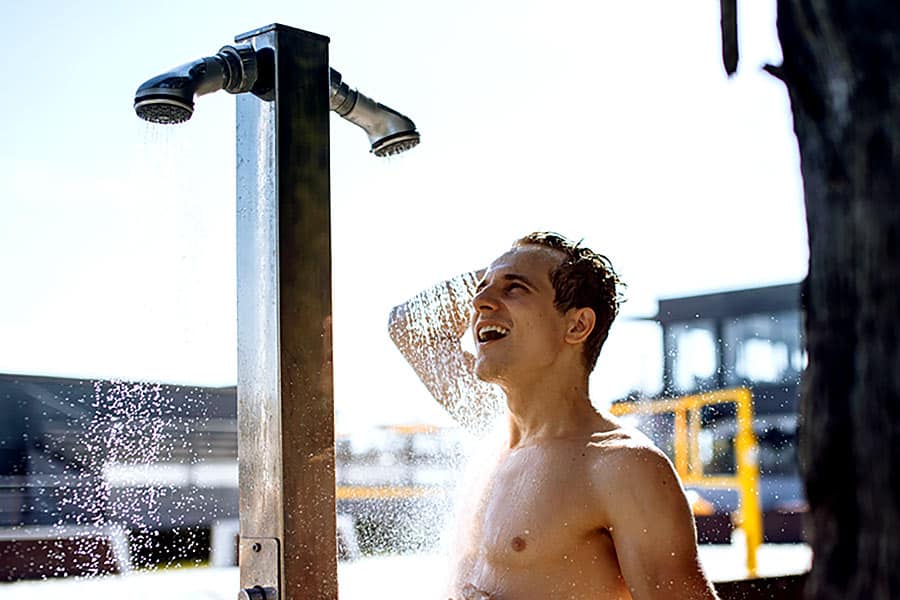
285	404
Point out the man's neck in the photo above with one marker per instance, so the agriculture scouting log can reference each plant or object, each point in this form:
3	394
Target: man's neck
549	406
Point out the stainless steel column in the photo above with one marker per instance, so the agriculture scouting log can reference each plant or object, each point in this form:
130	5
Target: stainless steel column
285	405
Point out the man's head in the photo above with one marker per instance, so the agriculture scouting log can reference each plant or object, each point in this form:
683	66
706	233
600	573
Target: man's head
543	304
583	279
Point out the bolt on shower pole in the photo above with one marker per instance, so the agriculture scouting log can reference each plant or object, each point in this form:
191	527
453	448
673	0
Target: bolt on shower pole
285	405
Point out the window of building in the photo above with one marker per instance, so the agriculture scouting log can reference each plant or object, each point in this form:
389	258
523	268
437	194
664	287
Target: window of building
694	355
762	348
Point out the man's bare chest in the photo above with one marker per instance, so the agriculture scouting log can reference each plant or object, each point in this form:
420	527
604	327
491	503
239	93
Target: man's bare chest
534	506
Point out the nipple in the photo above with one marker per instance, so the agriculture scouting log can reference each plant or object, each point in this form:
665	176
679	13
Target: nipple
518	544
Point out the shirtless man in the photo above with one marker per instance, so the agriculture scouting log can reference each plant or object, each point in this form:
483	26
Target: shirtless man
576	506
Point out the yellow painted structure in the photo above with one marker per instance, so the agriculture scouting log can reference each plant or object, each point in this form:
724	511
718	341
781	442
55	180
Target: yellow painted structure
393	492
686	443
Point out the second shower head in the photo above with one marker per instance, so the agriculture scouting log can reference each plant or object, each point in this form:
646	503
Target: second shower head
389	132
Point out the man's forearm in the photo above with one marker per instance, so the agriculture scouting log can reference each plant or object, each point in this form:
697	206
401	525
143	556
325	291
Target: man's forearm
440	312
428	330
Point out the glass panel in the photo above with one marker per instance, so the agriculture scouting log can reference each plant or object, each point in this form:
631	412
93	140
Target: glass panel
777	446
694	355
763	348
717	447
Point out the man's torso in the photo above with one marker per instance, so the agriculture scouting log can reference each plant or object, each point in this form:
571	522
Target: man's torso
538	529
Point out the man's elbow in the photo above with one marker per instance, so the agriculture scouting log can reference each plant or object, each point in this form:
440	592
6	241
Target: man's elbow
397	324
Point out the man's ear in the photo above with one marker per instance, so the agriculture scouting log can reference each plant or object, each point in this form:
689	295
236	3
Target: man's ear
581	324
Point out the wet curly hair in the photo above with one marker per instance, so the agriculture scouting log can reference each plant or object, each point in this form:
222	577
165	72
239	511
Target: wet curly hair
584	278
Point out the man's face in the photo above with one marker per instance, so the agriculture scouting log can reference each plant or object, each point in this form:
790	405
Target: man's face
517	329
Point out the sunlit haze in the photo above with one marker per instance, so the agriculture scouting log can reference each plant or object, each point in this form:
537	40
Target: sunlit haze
609	121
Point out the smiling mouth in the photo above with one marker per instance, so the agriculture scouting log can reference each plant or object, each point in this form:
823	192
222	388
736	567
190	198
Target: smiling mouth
491	333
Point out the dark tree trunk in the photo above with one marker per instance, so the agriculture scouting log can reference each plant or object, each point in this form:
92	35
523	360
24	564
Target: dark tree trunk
842	70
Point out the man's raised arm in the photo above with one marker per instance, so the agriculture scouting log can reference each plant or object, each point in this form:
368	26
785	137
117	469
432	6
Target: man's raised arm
428	330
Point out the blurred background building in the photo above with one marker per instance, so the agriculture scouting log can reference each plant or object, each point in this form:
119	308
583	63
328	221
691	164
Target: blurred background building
158	462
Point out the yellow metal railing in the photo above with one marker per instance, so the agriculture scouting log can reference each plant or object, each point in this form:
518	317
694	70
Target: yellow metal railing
386	492
686	410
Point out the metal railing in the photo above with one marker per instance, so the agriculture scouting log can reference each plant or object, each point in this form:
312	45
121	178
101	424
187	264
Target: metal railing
688	463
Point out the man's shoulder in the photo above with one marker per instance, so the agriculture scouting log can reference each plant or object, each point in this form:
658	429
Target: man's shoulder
623	469
622	442
624	455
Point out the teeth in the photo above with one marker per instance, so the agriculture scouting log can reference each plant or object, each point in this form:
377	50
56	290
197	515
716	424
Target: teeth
491	332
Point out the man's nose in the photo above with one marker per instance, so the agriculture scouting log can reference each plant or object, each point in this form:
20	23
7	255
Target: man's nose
485	300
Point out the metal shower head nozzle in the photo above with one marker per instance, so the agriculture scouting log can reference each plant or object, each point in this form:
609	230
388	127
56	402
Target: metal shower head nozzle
169	98
164	112
395	144
389	132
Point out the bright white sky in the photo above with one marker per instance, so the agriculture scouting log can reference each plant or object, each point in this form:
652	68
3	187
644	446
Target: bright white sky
608	121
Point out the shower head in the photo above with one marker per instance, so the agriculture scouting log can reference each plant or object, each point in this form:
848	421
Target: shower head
389	132
169	98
